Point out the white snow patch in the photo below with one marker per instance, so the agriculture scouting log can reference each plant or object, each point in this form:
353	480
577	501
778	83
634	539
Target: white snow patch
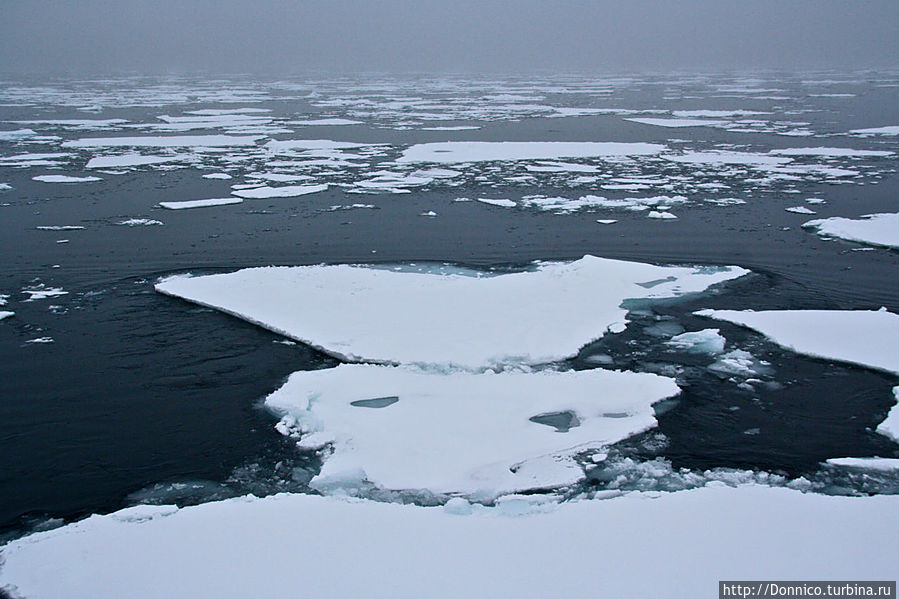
606	221
358	312
661	215
872	229
6	314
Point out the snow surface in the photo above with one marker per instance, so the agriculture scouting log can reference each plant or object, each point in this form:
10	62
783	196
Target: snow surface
481	151
64	179
357	312
200	203
459	432
286	191
873	229
210	141
636	545
866	338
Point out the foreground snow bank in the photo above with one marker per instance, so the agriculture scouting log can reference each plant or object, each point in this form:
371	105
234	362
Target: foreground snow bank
638	545
458	317
480	435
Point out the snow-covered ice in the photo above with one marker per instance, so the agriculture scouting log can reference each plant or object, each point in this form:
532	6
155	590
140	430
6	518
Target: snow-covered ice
505	203
800	210
661	215
889	130
873	229
706	341
6	314
325	122
139	222
883	464
830	152
286	191
59	227
482	151
867	338
65	179
890	425
223	176
200	203
124	160
461	433
668	122
365	313
210	141
636	545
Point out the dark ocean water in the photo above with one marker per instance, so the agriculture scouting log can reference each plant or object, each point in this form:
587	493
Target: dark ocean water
138	389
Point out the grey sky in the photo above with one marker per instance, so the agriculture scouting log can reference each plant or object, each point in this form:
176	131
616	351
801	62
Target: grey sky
271	36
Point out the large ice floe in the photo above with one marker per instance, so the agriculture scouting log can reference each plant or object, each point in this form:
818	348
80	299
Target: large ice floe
454	317
872	229
638	545
483	151
479	435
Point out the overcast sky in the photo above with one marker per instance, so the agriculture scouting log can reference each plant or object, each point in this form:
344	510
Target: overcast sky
271	36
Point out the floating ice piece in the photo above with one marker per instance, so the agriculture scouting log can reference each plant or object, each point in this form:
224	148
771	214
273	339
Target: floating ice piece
465	318
5	186
200	203
800	210
815	201
83	124
41	292
6	314
560	167
287	191
222	176
890	425
872	229
40	340
451	128
221	111
139	222
505	203
311	144
739	362
473	434
16	135
59	227
482	151
606	221
716	113
428	213
725	201
279	177
130	160
325	122
829	152
64	179
210	141
679	122
866	338
706	341
235	548
661	215
890	130
884	464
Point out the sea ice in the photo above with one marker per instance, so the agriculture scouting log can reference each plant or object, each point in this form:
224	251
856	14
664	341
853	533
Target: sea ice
800	210
679	122
482	151
210	141
217	176
829	152
200	203
139	222
130	160
466	318
872	229
6	314
325	122
661	215
890	425
866	338
59	227
634	545
890	130
64	179
706	341
287	191
461	433
505	203
16	135
884	464
725	157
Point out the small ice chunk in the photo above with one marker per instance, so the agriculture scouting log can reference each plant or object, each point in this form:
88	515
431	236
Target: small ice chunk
738	361
59	227
287	191
206	141
40	340
706	341
65	179
830	152
428	213
222	176
889	130
800	210
130	160
505	203
139	222
483	151
661	215
668	122
330	122
6	314
890	425
882	464
606	221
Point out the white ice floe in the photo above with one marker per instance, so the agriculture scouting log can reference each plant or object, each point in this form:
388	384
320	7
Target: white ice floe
40	340
706	341
883	464
872	229
286	191
131	160
635	545
889	130
59	227
463	318
505	203
866	338
65	179
800	210
17	134
223	176
200	203
890	425
41	292
722	114
830	152
679	122
6	314
428	213
221	111
560	167
5	186
277	146
482	151
183	141
480	435
739	362
725	201
606	221
661	215
139	222
725	157
77	124
325	122
816	201
451	128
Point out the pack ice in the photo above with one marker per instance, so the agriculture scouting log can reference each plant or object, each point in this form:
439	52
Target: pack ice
461	318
